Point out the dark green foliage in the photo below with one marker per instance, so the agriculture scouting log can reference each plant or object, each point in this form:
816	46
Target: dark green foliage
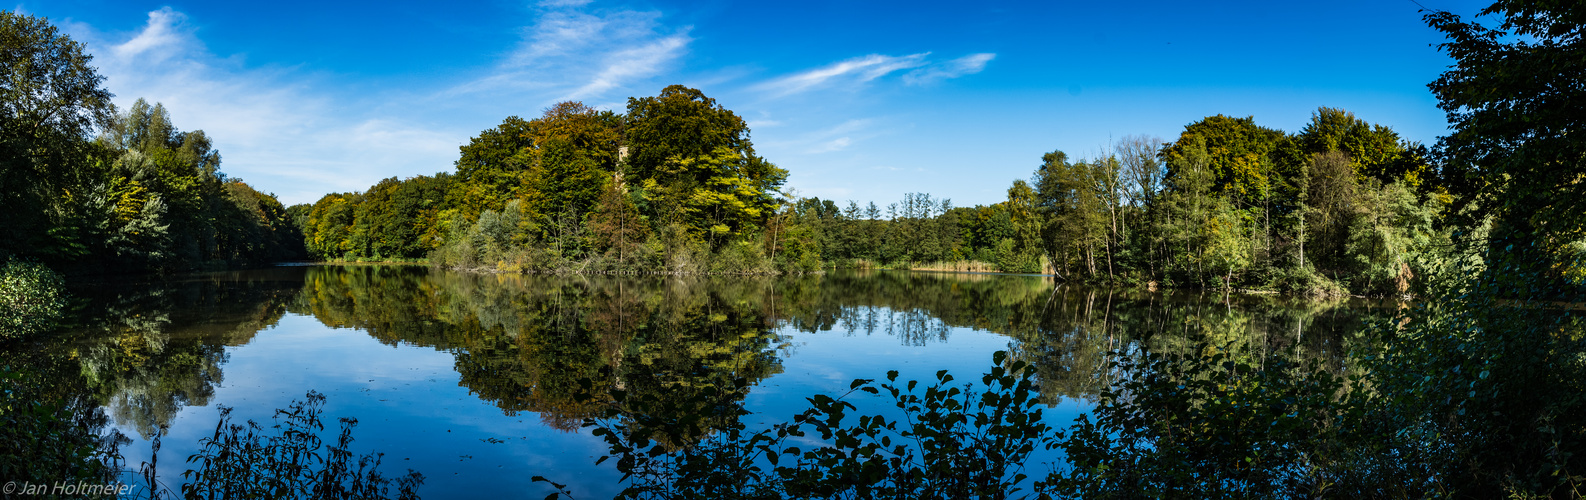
1466	395
394	219
1481	388
142	197
1515	153
50	99
1208	425
951	442
32	299
239	462
681	122
48	437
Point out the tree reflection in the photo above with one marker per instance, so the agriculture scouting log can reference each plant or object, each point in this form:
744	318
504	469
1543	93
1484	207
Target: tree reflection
1068	332
147	350
565	348
560	346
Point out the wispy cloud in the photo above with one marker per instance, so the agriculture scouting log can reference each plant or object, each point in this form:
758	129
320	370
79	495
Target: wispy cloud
837	144
570	54
854	71
159	38
967	65
282	131
831	139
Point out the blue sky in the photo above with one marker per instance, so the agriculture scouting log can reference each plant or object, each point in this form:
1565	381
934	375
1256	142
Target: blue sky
859	100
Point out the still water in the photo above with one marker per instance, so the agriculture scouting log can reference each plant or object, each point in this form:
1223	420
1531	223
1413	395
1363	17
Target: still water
471	379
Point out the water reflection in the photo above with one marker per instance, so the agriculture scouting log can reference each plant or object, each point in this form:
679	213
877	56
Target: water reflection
557	348
528	343
145	350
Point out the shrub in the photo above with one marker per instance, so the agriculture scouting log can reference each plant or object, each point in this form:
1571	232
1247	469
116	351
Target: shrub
50	439
953	441
32	298
239	462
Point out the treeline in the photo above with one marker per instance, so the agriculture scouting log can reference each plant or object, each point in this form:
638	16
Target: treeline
672	185
140	196
1342	205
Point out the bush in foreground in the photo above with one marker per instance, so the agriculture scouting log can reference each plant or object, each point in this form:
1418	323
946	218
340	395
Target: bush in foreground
32	298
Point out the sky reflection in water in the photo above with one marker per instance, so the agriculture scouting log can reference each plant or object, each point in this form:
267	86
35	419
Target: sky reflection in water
466	378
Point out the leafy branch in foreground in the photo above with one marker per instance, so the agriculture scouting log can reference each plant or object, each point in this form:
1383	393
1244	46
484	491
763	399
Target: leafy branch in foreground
950	442
240	462
32	298
1207	425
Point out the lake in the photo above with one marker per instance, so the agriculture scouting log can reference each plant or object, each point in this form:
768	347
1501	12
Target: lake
473	379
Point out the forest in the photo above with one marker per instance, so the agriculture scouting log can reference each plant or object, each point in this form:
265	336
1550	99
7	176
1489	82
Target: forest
672	184
1342	206
90	189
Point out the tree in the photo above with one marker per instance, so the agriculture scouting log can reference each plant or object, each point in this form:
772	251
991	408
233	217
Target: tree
1022	252
724	199
50	100
1375	150
489	168
1069	197
681	122
1516	150
1189	203
615	223
1142	172
1237	155
330	225
1331	194
565	180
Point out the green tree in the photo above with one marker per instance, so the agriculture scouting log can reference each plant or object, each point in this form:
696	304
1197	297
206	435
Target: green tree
50	101
1188	205
330	225
1069	197
1236	155
490	167
681	122
565	180
615	223
1375	150
1515	150
724	200
1022	252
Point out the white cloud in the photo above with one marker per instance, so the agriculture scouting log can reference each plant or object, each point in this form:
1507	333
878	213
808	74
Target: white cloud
159	35
831	139
631	64
852	71
967	65
568	54
280	130
837	144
